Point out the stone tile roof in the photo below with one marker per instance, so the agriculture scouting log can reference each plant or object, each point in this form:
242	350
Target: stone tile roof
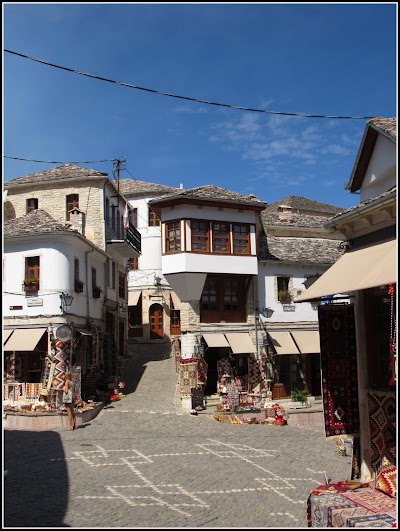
299	250
385	195
214	193
67	171
388	126
133	186
36	222
303	213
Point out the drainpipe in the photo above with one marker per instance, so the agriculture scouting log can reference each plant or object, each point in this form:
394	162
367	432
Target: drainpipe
255	313
87	284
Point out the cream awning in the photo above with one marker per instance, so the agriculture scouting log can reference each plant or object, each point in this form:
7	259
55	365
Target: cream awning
240	343
283	343
133	297
24	339
356	270
175	300
307	341
216	340
6	335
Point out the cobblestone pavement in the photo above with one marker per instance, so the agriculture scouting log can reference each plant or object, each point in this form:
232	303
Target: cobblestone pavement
144	463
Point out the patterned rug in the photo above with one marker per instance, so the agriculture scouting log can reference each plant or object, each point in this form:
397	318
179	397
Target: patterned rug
339	369
374	501
202	367
62	361
188	378
382	427
340	505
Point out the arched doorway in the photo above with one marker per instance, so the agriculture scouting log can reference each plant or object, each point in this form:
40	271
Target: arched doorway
156	320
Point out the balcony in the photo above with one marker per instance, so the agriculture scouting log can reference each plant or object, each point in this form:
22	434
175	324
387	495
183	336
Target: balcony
126	242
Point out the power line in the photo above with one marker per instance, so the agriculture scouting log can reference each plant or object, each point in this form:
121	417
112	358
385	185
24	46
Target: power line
58	161
134	178
187	97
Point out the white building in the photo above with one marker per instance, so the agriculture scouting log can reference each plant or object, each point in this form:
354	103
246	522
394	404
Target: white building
154	310
65	230
209	258
294	249
360	396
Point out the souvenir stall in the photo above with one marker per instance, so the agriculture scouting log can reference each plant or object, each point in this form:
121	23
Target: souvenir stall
33	380
358	362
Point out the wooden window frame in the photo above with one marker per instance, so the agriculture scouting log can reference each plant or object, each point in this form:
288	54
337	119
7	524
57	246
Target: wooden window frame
217	291
32	271
133	216
241	238
175	319
176	239
154	220
121	286
219	239
133	263
282	285
200	236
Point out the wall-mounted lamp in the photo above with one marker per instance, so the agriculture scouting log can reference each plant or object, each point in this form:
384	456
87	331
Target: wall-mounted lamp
267	312
66	301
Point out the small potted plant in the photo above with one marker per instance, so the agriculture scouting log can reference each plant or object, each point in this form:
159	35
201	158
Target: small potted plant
79	286
31	284
284	296
96	292
300	397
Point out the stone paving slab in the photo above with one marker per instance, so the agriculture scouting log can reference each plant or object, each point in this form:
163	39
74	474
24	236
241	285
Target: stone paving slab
143	463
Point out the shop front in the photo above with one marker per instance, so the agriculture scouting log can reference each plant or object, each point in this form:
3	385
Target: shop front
35	361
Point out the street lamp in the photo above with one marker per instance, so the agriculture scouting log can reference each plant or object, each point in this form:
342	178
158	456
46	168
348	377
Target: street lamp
267	312
66	301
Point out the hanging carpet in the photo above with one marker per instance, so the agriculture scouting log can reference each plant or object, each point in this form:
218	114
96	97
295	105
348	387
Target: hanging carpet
339	368
382	427
188	378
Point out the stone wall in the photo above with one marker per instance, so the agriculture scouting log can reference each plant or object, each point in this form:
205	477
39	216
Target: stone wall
52	198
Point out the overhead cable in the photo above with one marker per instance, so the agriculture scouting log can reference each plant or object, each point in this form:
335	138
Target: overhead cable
187	97
59	162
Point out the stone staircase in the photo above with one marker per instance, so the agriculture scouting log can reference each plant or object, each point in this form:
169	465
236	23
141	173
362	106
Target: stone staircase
211	402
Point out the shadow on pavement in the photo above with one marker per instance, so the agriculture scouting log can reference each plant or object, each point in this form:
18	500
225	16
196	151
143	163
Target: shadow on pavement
36	486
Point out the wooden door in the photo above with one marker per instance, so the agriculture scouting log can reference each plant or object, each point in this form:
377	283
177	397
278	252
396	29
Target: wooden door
156	320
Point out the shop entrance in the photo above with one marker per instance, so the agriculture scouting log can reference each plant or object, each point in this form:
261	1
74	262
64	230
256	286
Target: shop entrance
211	358
156	321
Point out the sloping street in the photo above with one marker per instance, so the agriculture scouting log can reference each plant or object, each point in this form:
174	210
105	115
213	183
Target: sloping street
145	463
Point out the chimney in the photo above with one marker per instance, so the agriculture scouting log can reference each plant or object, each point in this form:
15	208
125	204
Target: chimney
77	220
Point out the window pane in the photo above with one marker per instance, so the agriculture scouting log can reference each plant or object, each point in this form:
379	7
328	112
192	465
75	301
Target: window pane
173	241
221	238
200	235
241	239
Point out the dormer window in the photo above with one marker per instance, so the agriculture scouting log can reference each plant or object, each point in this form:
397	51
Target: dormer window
31	204
284	208
72	202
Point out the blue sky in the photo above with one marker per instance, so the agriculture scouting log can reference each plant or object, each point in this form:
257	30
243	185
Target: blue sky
320	59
